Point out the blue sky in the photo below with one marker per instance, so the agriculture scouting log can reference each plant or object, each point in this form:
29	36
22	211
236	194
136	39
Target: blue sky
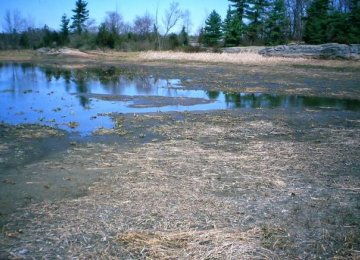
50	11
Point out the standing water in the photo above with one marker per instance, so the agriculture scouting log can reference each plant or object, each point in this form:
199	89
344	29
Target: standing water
79	99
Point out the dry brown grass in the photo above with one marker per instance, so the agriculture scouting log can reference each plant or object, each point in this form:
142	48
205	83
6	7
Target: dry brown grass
236	58
244	58
18	55
109	55
209	244
75	58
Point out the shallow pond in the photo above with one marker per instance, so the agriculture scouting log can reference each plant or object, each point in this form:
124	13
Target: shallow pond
80	99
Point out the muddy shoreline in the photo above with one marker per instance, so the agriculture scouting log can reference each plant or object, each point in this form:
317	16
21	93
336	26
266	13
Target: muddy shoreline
242	183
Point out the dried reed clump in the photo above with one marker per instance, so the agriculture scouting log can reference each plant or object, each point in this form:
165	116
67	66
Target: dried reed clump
235	58
207	244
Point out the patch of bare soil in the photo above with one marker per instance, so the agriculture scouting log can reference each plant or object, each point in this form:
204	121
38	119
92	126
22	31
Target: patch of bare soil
260	184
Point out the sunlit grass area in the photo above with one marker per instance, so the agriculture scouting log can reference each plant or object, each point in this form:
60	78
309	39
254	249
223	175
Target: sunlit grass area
237	58
246	57
15	55
243	58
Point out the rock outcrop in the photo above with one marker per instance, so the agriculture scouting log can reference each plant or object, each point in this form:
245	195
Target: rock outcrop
324	51
250	49
62	52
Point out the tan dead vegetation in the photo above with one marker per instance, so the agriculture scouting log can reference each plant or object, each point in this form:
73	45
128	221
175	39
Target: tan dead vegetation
18	55
214	244
218	187
244	58
161	201
77	59
236	58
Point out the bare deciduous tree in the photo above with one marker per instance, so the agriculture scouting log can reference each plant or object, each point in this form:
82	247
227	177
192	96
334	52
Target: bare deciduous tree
296	11
90	25
171	17
114	22
14	22
187	20
143	24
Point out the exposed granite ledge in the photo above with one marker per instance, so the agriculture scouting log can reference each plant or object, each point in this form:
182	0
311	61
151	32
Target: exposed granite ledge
323	51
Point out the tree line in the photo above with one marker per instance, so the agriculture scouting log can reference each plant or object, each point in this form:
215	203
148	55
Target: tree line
273	22
80	31
247	22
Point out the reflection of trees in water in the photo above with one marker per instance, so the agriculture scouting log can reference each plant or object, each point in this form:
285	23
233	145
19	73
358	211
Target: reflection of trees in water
213	94
119	81
144	84
23	77
67	77
257	100
254	100
49	74
113	80
80	80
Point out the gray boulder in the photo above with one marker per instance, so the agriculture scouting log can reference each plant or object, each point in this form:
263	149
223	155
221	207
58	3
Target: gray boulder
324	51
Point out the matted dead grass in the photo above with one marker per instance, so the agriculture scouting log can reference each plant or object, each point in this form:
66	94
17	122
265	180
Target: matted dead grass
207	244
235	58
220	186
73	58
243	58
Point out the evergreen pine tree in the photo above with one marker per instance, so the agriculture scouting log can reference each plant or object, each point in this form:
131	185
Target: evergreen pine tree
256	14
81	14
338	28
51	38
238	26
240	7
316	22
354	22
64	29
183	37
277	24
212	31
232	28
201	39
105	38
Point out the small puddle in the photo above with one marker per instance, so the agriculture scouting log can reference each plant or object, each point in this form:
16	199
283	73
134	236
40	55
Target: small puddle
79	99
